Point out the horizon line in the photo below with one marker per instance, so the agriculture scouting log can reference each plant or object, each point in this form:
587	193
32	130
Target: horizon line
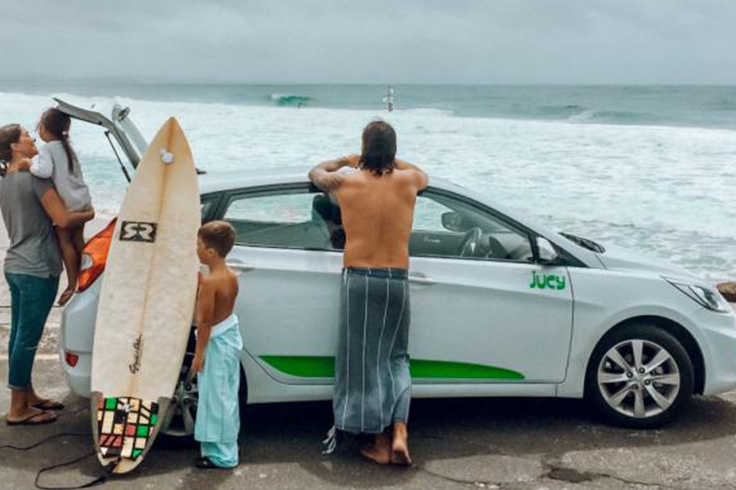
153	81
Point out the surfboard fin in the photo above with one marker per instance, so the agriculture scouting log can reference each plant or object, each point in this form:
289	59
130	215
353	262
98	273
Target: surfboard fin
109	468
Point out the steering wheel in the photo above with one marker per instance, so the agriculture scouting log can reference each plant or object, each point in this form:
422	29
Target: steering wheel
496	250
471	242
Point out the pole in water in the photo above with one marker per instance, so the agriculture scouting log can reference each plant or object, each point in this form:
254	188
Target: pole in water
390	99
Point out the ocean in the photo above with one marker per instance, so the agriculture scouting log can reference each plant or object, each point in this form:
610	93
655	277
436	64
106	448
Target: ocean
652	168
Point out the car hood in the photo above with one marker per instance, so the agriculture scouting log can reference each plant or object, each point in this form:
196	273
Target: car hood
623	259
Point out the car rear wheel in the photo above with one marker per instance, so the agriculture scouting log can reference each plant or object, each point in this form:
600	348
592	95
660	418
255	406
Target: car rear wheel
182	413
639	376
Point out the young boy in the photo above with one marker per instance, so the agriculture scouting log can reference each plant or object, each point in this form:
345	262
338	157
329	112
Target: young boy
217	356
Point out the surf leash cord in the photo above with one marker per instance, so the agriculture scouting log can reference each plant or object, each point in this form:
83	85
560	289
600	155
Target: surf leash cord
97	481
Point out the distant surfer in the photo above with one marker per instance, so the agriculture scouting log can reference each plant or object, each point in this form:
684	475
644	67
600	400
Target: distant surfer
217	356
389	99
30	208
372	390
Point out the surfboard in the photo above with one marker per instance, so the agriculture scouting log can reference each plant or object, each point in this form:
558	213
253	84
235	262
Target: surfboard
146	303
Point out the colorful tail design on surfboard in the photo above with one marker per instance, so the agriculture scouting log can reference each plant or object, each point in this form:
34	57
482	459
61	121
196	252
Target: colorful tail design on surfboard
125	426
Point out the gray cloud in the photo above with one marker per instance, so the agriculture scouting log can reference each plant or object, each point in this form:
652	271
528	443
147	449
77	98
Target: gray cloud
430	41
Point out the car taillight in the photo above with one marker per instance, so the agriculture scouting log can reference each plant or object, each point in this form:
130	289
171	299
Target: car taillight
71	359
94	257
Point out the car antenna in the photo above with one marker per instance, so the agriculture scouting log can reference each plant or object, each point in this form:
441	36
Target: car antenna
122	167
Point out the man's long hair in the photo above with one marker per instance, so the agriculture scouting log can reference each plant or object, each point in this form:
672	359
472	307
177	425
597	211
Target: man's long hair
379	148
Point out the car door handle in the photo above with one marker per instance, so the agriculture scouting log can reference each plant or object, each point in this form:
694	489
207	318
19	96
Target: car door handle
422	280
241	266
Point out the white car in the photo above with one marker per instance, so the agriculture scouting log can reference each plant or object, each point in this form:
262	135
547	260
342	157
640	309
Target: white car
500	305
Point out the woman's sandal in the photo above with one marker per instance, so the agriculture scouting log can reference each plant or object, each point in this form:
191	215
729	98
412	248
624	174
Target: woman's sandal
33	419
49	405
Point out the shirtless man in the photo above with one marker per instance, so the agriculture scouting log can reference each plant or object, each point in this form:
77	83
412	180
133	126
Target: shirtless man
372	382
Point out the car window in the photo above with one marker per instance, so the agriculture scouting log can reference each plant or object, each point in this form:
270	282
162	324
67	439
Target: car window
446	226
428	214
207	207
443	226
287	218
278	208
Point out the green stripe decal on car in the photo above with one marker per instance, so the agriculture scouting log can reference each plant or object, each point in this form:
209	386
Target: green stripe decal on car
460	370
324	367
303	366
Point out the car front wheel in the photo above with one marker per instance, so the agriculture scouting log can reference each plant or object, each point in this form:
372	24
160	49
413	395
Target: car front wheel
639	376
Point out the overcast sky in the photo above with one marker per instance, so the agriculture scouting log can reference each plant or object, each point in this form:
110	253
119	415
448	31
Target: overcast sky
372	41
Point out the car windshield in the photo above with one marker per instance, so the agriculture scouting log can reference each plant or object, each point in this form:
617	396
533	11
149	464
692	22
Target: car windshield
585	243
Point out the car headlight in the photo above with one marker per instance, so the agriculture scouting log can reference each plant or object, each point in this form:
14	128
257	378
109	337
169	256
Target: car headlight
707	297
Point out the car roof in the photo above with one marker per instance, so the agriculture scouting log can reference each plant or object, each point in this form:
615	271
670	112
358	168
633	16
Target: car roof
256	177
251	177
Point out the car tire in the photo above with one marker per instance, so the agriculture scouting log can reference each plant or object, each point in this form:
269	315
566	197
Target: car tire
186	398
193	394
639	376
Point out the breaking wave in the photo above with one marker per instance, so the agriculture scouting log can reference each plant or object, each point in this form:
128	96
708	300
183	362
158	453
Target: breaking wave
290	99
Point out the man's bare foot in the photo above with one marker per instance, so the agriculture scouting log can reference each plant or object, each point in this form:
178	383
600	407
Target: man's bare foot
380	451
400	453
66	296
400	446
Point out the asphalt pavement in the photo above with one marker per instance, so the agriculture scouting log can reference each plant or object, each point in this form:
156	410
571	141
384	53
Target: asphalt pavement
456	443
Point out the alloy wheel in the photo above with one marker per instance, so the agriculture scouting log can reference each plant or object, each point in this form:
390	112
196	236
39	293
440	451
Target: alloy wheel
181	416
638	378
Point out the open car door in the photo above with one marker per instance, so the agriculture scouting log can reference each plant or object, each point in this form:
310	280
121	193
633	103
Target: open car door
118	125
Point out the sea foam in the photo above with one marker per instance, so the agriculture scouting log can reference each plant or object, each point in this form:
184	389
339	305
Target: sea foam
666	191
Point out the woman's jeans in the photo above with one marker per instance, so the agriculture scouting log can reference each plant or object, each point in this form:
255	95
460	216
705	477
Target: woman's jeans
31	299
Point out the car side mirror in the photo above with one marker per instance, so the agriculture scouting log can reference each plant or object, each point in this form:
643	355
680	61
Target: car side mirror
547	253
452	221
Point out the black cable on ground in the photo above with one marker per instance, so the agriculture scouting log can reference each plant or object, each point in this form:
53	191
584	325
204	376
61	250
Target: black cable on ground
43	441
97	481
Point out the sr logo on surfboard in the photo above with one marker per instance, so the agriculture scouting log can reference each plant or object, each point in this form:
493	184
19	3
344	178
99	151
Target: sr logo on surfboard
138	231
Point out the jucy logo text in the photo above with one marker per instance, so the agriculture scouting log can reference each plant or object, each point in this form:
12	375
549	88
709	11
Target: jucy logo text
547	281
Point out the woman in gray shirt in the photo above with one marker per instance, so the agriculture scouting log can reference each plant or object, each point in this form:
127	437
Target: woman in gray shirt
30	208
